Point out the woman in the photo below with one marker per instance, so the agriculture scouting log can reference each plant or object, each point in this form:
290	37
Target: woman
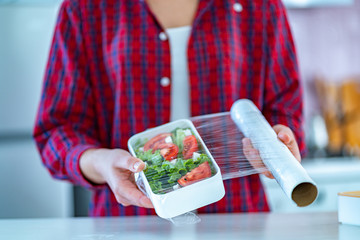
118	67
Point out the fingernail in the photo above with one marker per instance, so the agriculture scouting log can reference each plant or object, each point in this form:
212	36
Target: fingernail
136	165
281	135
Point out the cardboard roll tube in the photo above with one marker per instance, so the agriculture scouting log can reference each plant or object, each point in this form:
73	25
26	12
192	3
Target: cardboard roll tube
287	171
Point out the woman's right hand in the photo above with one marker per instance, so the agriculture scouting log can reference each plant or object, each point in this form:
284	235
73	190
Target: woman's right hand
116	167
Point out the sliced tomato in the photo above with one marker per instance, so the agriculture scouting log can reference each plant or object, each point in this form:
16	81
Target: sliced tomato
190	146
168	150
156	141
201	172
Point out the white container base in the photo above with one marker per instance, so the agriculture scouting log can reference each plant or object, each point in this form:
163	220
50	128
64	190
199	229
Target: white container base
349	207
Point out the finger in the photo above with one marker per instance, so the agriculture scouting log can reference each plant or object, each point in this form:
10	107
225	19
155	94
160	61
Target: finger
254	158
124	188
250	152
122	200
131	163
287	137
135	196
268	174
146	202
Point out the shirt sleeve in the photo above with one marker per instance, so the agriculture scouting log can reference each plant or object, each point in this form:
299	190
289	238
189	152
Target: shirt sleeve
283	91
65	126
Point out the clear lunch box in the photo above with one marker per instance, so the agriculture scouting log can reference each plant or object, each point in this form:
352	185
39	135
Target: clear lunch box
183	199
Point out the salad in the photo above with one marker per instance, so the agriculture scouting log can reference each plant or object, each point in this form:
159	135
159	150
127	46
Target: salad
174	160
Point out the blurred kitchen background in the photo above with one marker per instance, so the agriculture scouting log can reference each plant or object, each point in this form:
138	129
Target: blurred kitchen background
327	36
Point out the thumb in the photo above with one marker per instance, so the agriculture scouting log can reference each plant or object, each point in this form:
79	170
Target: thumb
132	163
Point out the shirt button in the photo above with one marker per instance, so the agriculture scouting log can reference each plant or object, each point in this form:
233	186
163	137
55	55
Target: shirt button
237	7
165	81
162	36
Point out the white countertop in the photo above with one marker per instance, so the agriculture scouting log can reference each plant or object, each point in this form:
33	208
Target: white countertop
216	226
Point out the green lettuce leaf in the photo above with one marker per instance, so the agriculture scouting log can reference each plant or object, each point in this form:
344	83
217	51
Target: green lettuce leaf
179	137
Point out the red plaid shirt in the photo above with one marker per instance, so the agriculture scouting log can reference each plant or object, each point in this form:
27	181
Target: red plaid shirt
103	83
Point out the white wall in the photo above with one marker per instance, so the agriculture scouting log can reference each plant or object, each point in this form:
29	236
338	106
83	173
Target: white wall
25	35
26	188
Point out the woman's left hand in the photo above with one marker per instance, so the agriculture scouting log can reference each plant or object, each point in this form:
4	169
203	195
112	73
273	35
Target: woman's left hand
285	135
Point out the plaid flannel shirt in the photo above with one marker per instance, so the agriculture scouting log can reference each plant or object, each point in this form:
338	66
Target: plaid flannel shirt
103	83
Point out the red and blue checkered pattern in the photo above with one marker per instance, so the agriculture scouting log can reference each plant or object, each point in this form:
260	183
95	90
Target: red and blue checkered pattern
102	83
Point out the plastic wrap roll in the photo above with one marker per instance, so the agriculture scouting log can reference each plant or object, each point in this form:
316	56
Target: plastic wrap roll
287	171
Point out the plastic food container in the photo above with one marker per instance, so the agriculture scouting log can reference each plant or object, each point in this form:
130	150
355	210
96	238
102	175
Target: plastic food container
349	207
188	198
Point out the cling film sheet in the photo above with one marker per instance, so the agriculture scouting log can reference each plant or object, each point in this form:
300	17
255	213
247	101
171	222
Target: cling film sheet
224	141
188	158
